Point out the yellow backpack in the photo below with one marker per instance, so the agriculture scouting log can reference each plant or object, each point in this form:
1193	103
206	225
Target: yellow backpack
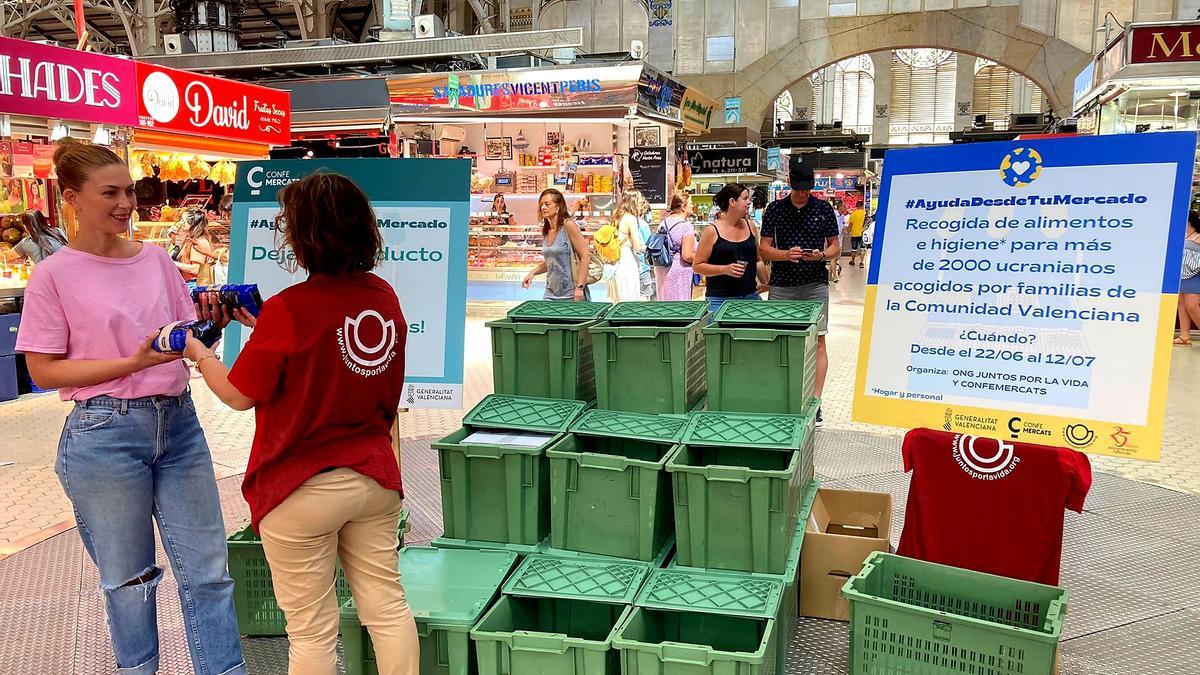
607	242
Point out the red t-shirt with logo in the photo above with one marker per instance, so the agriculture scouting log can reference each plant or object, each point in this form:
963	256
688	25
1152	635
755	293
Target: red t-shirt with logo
325	368
989	505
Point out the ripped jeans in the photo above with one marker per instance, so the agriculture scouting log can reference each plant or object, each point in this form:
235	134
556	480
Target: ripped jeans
126	463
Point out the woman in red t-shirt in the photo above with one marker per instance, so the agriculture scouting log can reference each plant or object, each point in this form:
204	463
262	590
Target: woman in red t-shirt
324	371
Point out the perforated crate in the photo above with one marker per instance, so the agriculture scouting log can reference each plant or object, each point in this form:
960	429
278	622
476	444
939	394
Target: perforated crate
498	492
550	310
654	364
558	616
921	618
448	590
610	492
253	595
698	623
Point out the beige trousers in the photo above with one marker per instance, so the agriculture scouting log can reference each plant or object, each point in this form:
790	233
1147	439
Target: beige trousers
339	514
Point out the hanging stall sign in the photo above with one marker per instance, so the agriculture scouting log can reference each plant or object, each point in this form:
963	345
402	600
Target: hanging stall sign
835	184
542	90
1177	43
199	105
648	168
696	111
422	207
58	83
726	161
1027	290
659	94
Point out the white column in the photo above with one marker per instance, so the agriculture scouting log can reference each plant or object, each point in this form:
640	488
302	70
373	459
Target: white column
964	92
882	116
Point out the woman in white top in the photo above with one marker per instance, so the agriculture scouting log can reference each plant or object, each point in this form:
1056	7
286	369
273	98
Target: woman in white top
626	282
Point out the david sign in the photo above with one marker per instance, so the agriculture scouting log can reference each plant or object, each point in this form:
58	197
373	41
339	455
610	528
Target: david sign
199	105
59	83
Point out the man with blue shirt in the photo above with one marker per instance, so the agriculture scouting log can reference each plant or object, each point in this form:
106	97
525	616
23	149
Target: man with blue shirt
799	234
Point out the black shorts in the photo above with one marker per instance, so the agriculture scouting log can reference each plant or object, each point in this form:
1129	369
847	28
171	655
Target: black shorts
855	243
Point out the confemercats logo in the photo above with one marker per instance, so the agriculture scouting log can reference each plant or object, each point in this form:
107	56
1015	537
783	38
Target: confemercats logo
984	458
259	177
367	360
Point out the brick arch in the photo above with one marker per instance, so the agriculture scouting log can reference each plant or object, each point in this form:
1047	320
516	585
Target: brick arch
993	33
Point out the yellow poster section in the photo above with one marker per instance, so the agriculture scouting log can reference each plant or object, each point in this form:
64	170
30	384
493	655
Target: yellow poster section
1102	437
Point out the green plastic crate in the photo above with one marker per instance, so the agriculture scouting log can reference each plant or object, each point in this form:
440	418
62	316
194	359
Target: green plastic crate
766	370
789	604
547	359
543	311
448	591
609	490
737	480
698	623
253	594
501	493
775	314
783	432
558	616
671	313
655	366
921	618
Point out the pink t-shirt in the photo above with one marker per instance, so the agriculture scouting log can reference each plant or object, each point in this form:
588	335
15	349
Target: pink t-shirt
90	307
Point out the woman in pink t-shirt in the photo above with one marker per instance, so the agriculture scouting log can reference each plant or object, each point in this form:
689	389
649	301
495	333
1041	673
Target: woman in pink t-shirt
132	451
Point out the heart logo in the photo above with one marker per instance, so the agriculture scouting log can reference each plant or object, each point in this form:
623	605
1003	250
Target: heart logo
1020	167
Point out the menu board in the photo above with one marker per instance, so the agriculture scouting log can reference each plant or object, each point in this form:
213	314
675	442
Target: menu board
648	167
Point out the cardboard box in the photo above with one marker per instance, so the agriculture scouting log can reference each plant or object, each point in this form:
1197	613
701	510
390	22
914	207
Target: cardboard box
845	527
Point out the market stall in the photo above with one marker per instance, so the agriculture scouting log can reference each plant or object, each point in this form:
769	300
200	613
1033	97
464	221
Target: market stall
713	165
590	132
191	131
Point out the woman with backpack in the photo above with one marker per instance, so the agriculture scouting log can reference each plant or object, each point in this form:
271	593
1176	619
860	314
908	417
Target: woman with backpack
565	252
674	281
625	285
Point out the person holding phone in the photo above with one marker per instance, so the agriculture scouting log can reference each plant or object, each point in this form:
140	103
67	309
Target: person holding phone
728	251
800	234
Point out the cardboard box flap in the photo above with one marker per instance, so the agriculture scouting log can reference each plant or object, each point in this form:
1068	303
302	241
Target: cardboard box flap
852	513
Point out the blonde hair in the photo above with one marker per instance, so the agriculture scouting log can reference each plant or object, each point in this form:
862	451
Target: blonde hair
75	162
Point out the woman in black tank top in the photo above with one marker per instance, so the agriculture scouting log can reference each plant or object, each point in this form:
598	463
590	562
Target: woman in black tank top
728	251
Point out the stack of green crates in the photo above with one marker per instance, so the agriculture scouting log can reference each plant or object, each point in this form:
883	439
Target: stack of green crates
497	495
737	483
687	622
253	594
610	491
650	357
789	604
911	616
543	349
448	590
762	356
558	616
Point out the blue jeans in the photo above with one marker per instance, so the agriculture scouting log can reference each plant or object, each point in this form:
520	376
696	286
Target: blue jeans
124	463
715	303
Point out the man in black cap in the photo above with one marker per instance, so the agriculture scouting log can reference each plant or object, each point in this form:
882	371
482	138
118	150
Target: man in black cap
799	234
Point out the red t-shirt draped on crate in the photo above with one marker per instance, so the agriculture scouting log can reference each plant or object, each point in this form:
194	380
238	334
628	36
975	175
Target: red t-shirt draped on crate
989	505
325	367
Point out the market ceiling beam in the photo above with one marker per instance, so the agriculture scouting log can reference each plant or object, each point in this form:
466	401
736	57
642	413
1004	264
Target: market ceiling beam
366	53
270	18
486	12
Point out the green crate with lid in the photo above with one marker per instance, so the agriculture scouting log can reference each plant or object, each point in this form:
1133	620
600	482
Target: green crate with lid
649	357
543	348
737	480
610	493
253	593
789	604
917	617
495	475
558	616
448	590
762	356
688	622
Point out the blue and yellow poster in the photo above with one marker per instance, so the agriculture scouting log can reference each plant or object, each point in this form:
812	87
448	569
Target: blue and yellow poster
1027	290
422	207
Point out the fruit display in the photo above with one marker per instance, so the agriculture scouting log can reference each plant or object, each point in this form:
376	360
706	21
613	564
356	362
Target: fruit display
223	173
